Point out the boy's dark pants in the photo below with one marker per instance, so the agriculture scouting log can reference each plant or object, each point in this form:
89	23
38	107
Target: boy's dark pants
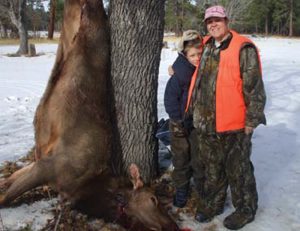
219	161
180	149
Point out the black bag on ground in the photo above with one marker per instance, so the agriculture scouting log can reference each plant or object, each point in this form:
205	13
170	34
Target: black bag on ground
163	132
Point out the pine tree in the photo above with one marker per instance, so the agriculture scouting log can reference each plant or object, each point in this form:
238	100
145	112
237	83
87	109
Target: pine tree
51	19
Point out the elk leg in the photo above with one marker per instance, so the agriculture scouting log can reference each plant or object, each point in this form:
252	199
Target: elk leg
37	174
4	183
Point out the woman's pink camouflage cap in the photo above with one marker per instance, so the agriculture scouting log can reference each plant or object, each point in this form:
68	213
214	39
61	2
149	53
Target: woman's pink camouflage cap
215	11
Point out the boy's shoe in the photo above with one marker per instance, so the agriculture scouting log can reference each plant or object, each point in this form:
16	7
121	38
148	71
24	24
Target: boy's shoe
239	219
181	196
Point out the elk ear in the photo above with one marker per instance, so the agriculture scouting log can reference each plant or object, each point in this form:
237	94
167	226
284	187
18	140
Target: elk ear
135	177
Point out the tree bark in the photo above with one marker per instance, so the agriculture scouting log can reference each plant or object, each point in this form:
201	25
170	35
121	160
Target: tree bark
51	19
23	49
291	19
266	26
177	10
136	42
19	22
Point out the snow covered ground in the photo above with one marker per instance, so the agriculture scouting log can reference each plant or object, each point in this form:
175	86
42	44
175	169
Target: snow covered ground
276	154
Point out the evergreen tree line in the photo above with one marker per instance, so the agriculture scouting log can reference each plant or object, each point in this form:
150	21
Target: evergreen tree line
276	17
37	17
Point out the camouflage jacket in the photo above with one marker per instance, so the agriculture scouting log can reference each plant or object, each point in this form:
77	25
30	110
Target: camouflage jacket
204	94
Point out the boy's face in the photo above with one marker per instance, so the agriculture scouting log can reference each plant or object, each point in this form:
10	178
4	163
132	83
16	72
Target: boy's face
193	55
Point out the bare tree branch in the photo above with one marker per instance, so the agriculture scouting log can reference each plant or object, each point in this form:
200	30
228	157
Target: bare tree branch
236	9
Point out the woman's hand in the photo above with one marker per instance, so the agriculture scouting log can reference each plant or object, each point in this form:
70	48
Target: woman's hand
249	130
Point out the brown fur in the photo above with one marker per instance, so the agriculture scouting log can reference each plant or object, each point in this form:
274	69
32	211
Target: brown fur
72	127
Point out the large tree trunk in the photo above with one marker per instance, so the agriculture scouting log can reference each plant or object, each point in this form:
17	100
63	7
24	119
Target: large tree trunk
19	21
23	49
51	19
136	42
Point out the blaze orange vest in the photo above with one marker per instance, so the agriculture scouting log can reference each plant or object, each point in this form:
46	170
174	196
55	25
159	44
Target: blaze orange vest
230	104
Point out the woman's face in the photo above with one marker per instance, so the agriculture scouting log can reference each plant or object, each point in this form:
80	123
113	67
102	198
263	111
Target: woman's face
217	28
193	55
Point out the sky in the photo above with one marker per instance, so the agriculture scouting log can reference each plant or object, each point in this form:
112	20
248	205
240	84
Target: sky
276	147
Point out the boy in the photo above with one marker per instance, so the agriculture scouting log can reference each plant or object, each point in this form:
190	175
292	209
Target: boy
190	49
